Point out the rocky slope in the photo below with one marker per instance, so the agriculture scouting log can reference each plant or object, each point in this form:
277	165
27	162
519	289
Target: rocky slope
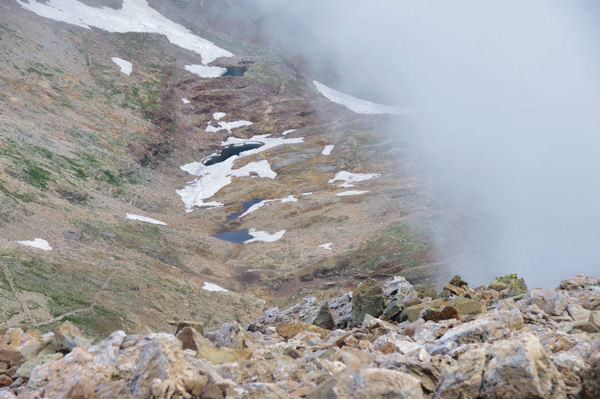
386	340
83	144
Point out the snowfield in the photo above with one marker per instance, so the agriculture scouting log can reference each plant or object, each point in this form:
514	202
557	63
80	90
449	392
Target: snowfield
263	236
229	126
125	66
356	104
351	192
39	243
205	71
260	204
213	287
140	218
348	178
327	150
213	178
133	16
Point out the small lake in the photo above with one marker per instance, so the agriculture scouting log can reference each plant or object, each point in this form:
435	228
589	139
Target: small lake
246	206
229	151
239	236
235	71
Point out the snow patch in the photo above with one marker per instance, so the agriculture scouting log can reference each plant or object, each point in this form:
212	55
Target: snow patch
348	178
260	204
205	71
327	150
133	16
351	192
125	66
213	287
185	101
326	246
307	193
264	236
356	104
288	132
213	178
229	126
39	243
140	218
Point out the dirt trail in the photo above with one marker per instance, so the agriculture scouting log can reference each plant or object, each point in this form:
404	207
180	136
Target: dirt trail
17	295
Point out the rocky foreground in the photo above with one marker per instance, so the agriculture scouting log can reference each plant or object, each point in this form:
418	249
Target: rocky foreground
389	341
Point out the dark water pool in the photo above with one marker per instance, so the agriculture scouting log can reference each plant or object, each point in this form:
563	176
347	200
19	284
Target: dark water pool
235	71
229	151
247	206
234	236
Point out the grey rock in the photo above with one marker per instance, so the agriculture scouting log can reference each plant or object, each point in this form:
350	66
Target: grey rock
367	298
324	318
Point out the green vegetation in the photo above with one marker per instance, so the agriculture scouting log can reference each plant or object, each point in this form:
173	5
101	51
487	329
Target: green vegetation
398	248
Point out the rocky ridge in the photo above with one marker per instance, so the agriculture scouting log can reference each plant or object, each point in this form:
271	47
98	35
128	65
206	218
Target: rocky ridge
384	340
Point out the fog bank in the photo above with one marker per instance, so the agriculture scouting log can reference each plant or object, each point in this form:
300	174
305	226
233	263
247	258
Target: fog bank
506	138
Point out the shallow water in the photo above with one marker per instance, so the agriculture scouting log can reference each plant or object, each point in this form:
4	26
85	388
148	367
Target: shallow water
239	236
229	151
246	206
235	71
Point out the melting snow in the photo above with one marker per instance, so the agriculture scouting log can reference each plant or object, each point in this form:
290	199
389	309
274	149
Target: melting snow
258	205
205	71
213	287
348	178
264	236
133	16
125	66
351	192
288	132
39	243
131	216
327	150
213	178
229	126
356	104
326	246
185	101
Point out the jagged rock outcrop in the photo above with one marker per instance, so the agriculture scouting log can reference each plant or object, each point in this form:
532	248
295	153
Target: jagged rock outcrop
527	346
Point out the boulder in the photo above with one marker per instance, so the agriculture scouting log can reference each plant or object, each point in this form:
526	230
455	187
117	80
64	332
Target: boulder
498	286
190	338
512	368
464	378
290	330
577	312
180	325
368	383
516	286
26	368
324	318
397	285
590	380
519	368
551	302
367	298
394	308
223	354
67	337
228	334
464	306
448	312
